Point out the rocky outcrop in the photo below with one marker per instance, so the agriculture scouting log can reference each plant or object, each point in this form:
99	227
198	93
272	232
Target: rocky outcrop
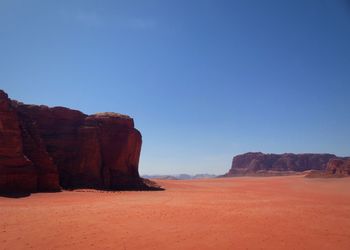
44	149
339	167
336	167
277	164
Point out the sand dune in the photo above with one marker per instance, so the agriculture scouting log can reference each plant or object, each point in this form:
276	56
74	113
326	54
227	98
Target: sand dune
233	213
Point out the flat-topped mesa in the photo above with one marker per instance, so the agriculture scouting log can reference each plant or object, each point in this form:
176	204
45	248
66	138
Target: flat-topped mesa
43	149
257	163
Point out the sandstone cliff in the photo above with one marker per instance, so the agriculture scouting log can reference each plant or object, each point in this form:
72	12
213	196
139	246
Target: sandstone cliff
336	167
44	149
277	164
339	167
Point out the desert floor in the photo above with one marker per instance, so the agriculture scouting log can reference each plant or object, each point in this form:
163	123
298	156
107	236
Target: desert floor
234	213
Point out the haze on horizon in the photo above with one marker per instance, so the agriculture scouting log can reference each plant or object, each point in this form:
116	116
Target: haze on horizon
203	80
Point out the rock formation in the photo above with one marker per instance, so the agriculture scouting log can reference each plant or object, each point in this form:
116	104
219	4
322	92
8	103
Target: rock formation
336	167
339	167
277	164
44	149
17	172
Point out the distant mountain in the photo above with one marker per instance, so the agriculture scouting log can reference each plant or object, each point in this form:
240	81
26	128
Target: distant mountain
164	177
204	176
180	176
259	164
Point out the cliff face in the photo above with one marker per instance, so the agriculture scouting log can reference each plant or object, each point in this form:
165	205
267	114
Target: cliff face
338	167
17	172
255	163
43	148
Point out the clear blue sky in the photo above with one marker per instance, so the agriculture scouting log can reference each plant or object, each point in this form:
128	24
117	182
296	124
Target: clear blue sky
204	80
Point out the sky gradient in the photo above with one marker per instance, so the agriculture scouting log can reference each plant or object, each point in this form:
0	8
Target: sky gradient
203	80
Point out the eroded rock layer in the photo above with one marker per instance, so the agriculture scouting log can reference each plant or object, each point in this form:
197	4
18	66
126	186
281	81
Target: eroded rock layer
277	164
44	149
339	167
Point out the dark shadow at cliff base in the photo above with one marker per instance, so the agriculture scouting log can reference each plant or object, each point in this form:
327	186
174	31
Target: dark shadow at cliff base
151	185
325	174
118	190
140	184
15	195
23	194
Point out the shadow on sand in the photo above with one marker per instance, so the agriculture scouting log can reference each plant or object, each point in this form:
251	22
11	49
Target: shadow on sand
142	185
15	195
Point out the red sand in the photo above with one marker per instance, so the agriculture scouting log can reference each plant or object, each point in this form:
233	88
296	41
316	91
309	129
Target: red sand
234	213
